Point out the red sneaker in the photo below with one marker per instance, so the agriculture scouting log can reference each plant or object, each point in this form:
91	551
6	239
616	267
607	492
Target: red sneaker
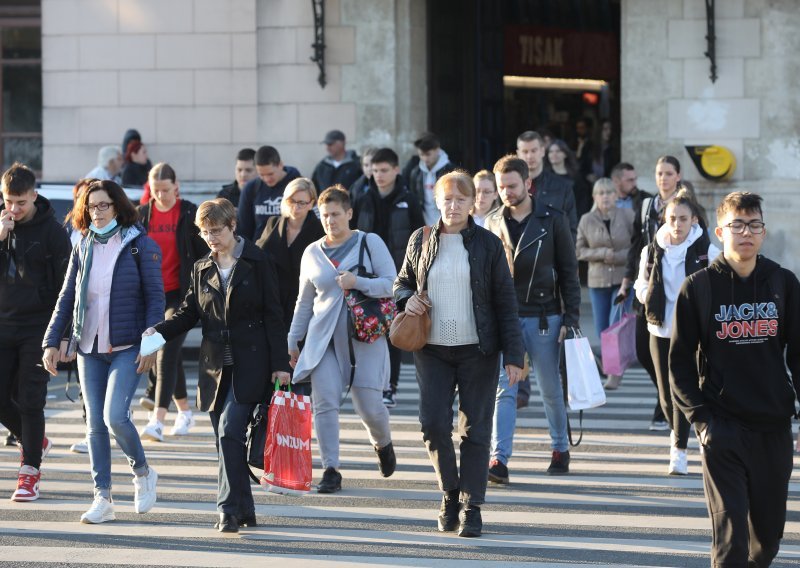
27	484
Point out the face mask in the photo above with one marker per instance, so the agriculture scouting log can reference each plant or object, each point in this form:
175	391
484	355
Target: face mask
110	227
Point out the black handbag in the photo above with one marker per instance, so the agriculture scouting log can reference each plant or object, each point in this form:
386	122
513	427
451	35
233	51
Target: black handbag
257	439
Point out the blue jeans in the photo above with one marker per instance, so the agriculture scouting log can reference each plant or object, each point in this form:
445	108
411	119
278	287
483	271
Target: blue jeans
603	307
109	381
543	350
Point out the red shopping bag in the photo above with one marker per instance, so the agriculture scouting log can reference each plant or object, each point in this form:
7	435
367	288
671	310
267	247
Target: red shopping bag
287	453
618	345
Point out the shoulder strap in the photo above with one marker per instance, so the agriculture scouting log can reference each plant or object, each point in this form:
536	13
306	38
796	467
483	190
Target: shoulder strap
422	277
647	202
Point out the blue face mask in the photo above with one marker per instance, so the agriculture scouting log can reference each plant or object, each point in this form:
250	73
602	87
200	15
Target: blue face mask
110	227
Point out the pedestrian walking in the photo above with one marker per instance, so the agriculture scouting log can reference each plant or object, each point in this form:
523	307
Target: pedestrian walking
234	294
541	255
112	292
680	248
169	221
332	361
604	237
486	199
34	251
473	321
742	312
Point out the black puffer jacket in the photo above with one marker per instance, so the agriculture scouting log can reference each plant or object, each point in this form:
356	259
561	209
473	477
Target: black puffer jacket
346	173
191	247
556	192
33	261
545	264
393	218
494	302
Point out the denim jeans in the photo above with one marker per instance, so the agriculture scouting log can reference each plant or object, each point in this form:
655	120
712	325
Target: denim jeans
603	307
230	420
109	382
440	371
543	349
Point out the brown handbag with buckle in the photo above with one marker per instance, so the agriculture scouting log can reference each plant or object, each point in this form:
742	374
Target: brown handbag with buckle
410	333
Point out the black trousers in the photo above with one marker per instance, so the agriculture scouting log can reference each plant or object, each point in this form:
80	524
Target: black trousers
643	355
440	371
659	349
395	358
746	480
23	388
167	378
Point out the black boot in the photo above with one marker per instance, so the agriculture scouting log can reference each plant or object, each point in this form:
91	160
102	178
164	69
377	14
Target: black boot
387	461
448	512
228	523
471	523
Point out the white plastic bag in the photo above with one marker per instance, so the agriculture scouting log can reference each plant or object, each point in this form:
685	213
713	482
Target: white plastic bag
584	389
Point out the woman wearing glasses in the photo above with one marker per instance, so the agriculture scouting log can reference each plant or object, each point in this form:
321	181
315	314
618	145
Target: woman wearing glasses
286	237
112	292
680	248
234	294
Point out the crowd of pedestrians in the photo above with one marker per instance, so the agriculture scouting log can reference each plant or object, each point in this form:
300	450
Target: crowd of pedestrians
266	268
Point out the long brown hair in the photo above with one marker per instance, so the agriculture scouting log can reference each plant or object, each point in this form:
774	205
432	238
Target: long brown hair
126	213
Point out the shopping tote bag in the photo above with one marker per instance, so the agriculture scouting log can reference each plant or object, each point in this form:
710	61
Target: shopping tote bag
584	389
287	453
618	345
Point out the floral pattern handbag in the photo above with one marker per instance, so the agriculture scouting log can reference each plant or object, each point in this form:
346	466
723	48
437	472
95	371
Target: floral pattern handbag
370	318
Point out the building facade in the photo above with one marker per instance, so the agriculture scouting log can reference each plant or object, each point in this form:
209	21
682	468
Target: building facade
202	78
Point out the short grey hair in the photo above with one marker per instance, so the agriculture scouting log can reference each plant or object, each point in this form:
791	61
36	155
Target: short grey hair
106	154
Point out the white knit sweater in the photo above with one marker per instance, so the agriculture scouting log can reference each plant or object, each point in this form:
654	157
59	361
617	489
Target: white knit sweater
452	316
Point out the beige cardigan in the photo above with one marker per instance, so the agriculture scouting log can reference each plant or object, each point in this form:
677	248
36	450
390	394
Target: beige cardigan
594	242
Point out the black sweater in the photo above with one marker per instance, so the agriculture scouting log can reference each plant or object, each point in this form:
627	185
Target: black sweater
745	376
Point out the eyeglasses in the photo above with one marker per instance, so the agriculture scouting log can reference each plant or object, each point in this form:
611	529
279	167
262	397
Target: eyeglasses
102	206
212	232
298	203
756	227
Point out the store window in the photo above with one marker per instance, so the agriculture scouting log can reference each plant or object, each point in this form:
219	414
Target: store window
21	85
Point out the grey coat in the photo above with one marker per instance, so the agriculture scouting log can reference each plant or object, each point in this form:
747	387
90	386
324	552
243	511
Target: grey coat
320	316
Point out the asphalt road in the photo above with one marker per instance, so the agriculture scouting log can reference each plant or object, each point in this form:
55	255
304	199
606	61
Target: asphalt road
616	508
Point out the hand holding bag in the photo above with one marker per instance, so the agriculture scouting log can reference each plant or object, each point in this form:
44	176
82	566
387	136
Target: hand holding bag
410	333
618	344
584	389
287	454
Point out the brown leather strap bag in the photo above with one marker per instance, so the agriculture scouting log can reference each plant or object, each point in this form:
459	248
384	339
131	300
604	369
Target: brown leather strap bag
410	333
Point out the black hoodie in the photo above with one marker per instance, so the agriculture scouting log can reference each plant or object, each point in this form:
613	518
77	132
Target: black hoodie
745	376
33	261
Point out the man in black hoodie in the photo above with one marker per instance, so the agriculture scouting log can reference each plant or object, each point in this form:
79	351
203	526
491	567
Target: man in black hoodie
34	251
389	209
743	312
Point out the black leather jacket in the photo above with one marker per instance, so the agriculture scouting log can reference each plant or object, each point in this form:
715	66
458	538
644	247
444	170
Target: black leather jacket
544	264
494	303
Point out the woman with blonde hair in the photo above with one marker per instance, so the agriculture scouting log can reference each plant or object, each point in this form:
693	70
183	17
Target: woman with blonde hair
486	197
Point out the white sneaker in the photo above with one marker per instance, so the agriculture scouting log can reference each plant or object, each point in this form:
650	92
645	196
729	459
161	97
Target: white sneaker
102	510
153	431
678	462
184	422
145	491
81	447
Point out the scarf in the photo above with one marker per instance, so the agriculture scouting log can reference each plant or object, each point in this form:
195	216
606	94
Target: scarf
86	266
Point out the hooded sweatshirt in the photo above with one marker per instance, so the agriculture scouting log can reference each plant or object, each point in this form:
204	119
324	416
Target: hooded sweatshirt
429	177
258	202
33	261
745	373
673	273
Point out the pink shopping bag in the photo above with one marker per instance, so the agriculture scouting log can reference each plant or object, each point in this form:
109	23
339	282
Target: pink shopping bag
618	345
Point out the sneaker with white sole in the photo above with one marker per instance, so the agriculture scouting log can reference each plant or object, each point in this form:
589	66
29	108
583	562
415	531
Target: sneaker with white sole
27	484
184	422
102	510
678	462
144	486
81	447
153	431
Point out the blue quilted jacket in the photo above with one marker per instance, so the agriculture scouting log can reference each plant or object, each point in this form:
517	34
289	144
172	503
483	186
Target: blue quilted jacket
137	291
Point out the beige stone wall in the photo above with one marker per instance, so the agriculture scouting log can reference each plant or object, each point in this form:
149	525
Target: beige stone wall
202	78
668	100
